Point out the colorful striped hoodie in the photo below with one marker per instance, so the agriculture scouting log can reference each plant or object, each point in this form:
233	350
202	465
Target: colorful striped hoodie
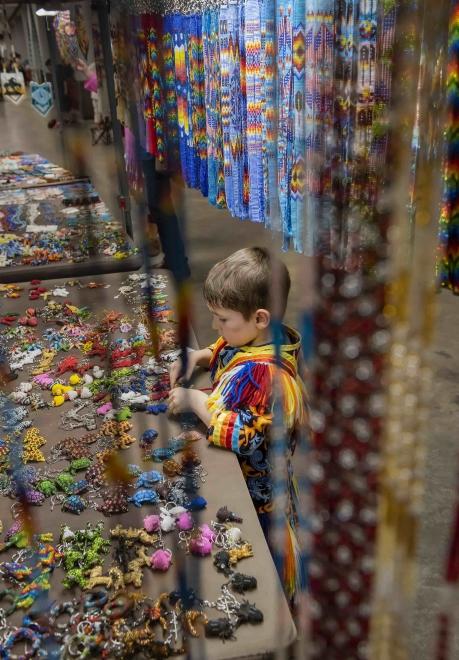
241	405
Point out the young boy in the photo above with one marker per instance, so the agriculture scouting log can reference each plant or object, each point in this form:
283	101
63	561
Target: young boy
242	362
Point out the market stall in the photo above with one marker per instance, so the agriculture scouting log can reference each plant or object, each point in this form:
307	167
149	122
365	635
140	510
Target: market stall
49	219
73	427
21	170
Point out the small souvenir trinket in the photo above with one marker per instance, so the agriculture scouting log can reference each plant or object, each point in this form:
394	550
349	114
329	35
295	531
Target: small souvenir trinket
207	532
74	504
222	562
190	460
105	408
171	468
152	523
197	504
157	408
147	479
66	534
115	501
224	515
167	521
137	407
189	620
201	546
240	552
95	600
63	481
177	444
144	496
34	497
79	487
247	613
185	522
80	464
222	628
123	414
161	454
47	487
31	638
147	438
242	583
161	560
233	536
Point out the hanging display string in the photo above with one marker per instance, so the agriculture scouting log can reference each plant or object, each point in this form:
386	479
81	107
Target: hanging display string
36	54
8	32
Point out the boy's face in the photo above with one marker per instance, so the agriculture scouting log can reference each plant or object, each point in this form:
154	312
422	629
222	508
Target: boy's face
233	327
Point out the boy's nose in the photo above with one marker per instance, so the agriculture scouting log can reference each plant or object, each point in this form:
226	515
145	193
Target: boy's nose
214	324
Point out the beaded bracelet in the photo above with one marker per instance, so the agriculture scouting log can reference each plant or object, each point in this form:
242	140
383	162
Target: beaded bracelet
19	635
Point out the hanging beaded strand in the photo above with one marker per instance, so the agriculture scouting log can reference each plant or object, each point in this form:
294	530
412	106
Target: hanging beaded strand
215	164
410	308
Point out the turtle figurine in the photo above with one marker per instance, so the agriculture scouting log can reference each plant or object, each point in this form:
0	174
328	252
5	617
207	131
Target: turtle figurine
144	496
74	504
147	479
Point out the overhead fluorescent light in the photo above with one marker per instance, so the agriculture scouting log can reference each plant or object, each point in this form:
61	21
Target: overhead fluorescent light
46	12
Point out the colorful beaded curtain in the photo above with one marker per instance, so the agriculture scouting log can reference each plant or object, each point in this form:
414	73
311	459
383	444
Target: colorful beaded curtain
278	113
448	262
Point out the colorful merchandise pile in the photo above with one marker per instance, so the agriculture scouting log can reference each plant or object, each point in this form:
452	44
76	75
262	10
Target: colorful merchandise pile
299	155
21	170
55	223
95	374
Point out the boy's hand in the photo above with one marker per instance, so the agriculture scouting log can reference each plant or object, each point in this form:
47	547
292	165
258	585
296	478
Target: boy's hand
175	373
183	400
180	400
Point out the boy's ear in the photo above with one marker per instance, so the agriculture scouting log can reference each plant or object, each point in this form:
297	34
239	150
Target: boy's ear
262	318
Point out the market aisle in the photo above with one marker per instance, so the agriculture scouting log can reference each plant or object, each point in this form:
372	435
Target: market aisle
212	235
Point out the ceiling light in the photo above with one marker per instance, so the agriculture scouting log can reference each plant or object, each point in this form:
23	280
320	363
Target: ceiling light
45	12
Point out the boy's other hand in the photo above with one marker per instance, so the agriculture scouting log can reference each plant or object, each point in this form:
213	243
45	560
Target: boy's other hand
180	400
187	400
175	372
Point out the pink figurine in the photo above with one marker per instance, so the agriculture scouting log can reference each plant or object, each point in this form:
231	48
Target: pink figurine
151	523
44	380
185	521
201	546
104	409
207	533
161	560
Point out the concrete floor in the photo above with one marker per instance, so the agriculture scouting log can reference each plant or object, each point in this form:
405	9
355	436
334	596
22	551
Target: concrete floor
211	236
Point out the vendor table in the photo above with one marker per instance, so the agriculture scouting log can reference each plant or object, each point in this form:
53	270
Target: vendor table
62	228
25	170
51	224
224	485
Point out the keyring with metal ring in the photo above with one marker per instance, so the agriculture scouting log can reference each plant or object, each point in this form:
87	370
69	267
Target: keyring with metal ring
57	610
96	600
19	635
73	641
118	607
85	628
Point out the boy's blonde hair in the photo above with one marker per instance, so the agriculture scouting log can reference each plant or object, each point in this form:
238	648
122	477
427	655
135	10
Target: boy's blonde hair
243	282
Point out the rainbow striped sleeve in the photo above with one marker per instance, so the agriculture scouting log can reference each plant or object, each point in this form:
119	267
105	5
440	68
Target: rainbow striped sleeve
225	430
